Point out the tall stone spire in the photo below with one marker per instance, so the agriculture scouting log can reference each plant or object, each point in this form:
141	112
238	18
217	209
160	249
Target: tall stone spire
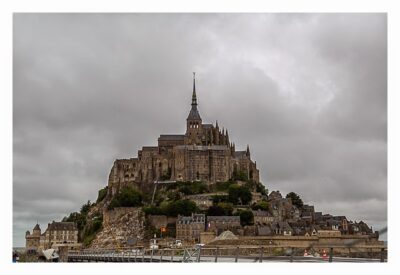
194	113
194	97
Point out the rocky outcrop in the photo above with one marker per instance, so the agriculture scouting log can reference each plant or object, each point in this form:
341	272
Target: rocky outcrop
122	226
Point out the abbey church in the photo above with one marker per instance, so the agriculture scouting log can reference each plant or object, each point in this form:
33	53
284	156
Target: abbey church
204	153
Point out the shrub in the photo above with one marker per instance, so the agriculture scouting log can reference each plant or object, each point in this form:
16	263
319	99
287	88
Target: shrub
192	188
246	217
91	229
152	210
222	186
188	187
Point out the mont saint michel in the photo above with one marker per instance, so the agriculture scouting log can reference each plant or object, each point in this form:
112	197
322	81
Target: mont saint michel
204	153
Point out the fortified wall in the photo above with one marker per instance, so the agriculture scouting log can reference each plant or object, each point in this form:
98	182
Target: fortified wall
343	245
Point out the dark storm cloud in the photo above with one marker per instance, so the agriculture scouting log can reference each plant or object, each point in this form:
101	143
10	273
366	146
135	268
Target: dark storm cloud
306	91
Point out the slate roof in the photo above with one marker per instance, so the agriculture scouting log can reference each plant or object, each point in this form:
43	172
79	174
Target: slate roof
171	137
194	113
223	218
149	148
339	218
207	125
264	230
240	154
194	218
285	226
275	195
202	148
261	213
55	226
37	227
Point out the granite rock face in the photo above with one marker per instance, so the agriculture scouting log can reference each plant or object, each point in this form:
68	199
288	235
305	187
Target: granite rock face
122	227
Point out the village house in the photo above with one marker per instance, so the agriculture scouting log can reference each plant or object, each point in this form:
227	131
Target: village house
274	195
218	224
282	228
204	201
343	224
57	234
294	214
281	208
264	230
299	227
359	228
317	217
163	223
333	224
262	217
307	213
189	227
60	233
256	197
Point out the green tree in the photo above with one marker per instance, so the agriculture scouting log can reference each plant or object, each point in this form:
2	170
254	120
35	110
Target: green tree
260	188
85	208
220	198
237	193
152	210
215	210
220	209
226	207
240	175
296	200
102	194
128	197
222	186
77	218
192	188
246	217
174	196
179	207
166	175
262	205
91	229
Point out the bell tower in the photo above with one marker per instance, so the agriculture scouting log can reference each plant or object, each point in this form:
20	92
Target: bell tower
193	121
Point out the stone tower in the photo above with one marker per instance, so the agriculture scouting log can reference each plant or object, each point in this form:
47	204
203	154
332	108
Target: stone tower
193	121
33	240
36	230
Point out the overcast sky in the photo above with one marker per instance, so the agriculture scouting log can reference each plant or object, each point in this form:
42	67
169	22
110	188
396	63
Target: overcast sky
307	92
